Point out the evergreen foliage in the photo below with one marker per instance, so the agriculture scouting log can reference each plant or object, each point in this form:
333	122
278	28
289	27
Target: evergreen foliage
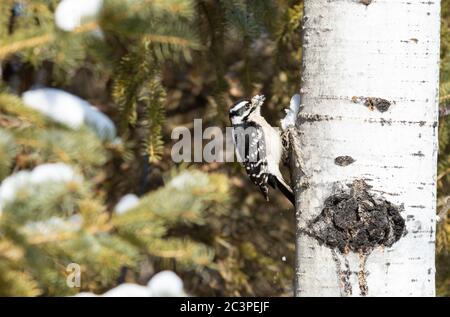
47	225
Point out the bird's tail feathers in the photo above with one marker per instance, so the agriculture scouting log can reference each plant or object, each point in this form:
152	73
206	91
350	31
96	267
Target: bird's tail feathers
278	182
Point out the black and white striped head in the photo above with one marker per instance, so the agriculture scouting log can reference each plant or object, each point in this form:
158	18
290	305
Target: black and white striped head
241	110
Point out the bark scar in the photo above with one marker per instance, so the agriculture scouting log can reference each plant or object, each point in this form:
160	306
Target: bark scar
365	2
358	221
372	103
355	220
344	160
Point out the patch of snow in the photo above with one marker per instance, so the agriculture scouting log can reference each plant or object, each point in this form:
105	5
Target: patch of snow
187	179
69	110
54	172
54	225
162	284
291	113
59	106
11	185
126	203
128	290
166	284
23	180
70	13
85	294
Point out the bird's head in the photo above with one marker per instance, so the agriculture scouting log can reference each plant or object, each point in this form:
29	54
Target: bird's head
242	109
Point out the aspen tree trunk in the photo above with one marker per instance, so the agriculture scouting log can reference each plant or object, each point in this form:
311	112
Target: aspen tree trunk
367	134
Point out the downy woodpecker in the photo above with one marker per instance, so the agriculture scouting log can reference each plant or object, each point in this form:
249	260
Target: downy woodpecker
258	146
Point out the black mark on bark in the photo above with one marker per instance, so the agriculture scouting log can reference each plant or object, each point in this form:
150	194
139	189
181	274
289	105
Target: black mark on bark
393	166
411	40
307	117
373	103
344	274
365	2
380	104
362	273
344	160
418	206
420	154
311	118
384	121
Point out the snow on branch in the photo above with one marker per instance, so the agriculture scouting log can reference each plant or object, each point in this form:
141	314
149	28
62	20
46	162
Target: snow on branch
70	110
162	284
127	202
26	180
70	13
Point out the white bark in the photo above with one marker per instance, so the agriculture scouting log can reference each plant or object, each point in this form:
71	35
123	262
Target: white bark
387	49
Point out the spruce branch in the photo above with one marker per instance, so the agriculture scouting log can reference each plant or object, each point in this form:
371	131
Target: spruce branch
18	46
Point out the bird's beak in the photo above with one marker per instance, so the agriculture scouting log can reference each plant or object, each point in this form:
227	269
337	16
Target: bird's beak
254	106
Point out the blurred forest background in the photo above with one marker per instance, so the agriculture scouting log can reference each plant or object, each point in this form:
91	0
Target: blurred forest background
150	66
